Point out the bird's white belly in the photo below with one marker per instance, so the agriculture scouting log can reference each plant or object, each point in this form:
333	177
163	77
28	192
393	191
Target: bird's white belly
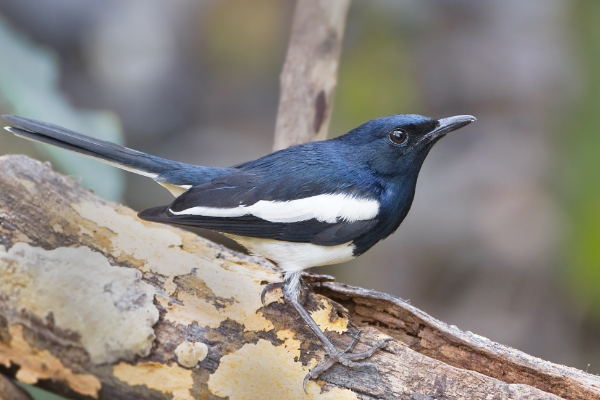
293	257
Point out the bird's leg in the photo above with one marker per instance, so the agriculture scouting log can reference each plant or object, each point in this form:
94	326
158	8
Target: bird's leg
291	293
303	296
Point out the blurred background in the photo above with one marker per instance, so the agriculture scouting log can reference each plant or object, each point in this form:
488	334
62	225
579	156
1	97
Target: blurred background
504	235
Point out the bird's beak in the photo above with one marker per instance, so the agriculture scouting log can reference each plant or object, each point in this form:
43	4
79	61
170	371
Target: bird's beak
447	125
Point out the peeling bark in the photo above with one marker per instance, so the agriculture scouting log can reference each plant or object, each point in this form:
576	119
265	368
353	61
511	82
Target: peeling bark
211	337
309	74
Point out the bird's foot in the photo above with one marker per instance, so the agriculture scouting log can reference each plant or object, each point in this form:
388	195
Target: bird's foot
345	358
292	289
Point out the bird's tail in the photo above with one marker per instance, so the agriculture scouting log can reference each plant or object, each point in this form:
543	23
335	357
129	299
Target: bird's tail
110	153
166	172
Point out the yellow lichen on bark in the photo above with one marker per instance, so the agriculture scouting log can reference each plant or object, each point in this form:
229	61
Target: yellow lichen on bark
157	248
163	378
169	286
193	309
37	364
263	371
322	317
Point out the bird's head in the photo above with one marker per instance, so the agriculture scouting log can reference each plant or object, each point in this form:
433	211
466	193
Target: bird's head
398	144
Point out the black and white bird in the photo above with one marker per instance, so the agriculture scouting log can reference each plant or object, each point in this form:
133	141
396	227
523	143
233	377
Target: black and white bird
308	205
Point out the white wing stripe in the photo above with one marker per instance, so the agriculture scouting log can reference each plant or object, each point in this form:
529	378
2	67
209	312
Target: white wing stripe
325	208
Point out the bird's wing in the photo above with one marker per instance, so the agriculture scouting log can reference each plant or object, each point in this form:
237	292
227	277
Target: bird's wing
246	204
311	231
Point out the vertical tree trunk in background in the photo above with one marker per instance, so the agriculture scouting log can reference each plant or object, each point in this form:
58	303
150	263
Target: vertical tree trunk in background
309	74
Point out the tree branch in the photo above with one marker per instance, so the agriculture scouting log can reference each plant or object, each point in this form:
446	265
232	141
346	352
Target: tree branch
10	391
309	74
95	303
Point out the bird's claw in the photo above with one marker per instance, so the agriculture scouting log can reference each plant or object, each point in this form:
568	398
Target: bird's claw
269	288
347	359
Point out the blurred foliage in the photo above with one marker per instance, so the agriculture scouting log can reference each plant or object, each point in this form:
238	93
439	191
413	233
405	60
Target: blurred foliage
39	394
29	87
375	73
249	46
583	142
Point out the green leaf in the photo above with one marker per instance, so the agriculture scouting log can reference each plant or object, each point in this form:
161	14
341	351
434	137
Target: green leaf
29	87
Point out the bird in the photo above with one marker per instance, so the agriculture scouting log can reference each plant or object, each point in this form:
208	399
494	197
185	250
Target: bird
312	204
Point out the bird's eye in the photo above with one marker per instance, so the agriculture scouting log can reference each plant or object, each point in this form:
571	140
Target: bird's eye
398	136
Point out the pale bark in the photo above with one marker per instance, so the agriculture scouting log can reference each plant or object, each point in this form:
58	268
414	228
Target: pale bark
54	236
